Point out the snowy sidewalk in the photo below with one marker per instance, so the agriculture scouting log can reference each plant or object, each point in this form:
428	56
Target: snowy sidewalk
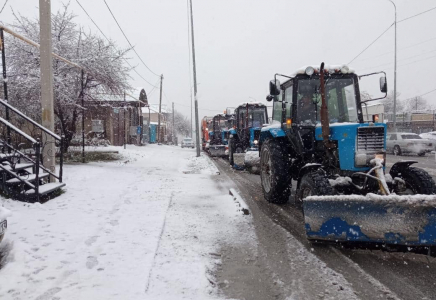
145	227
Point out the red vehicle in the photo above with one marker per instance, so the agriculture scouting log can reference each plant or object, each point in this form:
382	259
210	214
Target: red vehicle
206	126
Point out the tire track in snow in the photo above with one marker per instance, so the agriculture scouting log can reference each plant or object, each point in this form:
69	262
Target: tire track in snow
158	244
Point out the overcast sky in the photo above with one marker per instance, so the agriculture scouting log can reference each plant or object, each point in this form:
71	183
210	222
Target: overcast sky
240	44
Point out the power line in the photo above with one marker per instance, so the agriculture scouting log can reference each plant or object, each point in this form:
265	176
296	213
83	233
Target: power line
128	39
417	15
133	68
6	2
372	43
419	95
403	59
410	46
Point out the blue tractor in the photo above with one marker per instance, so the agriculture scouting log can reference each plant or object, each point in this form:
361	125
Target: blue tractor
318	138
244	136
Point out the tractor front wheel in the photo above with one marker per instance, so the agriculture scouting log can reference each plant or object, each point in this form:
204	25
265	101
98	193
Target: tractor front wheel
314	183
419	181
274	172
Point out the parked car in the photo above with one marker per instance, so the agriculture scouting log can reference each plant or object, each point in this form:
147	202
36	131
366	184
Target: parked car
406	142
429	135
188	142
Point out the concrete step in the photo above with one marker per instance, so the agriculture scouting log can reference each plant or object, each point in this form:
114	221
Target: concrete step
47	188
29	178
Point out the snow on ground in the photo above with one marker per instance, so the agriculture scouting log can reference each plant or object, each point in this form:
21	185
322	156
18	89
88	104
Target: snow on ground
145	227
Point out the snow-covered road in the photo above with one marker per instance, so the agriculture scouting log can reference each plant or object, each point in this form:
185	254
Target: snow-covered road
146	227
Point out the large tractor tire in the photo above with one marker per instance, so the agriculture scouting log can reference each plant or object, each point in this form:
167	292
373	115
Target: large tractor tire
314	183
231	150
419	181
274	172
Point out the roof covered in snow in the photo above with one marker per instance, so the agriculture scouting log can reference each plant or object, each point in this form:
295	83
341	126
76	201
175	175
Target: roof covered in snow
330	68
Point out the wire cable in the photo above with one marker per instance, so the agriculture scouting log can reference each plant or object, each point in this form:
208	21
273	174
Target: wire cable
6	2
372	43
385	53
416	15
128	40
133	68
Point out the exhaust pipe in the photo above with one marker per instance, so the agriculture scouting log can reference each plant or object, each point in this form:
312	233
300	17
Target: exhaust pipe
325	122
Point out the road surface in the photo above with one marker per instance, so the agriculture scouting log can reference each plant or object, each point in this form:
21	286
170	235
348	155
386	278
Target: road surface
372	274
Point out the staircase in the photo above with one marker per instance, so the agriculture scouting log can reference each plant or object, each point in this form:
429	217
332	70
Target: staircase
22	174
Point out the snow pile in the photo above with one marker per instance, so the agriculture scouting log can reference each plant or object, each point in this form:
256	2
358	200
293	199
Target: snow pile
252	158
413	200
4	213
340	181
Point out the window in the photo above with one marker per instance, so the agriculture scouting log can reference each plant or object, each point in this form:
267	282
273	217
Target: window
288	101
410	137
97	126
340	97
393	137
277	108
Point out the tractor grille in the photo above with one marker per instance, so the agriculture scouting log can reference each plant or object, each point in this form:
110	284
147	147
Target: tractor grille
370	139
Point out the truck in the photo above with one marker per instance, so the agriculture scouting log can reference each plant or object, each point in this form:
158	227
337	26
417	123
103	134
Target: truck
318	138
244	136
206	126
216	146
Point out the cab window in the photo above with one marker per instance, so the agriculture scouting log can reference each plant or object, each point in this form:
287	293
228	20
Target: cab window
277	108
288	101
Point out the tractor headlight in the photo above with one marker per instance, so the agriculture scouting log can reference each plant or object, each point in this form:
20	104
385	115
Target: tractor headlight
360	159
255	142
309	71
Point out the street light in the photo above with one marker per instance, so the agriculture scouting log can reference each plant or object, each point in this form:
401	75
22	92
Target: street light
395	70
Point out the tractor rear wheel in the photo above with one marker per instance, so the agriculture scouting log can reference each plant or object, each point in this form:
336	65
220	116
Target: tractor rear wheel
314	183
231	147
274	172
419	181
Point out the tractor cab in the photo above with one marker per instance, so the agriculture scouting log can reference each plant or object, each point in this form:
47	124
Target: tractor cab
298	109
319	139
229	124
244	138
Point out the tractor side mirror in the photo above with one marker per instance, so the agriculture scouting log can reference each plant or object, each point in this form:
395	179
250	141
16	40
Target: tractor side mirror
383	85
274	88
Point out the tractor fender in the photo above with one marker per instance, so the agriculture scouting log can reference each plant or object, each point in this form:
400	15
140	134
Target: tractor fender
270	133
305	169
399	166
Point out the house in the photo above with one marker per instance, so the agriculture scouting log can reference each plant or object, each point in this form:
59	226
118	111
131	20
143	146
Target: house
114	118
151	116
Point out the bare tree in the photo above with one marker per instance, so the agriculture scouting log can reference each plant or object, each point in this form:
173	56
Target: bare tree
104	69
388	103
417	103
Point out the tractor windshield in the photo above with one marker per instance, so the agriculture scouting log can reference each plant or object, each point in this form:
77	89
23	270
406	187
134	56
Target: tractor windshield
256	116
340	97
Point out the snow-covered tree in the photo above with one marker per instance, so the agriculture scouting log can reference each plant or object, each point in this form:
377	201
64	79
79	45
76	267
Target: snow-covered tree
103	63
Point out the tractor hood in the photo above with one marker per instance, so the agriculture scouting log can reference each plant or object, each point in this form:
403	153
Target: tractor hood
357	142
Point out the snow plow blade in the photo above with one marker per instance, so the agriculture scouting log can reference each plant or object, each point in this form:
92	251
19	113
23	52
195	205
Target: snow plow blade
397	220
217	150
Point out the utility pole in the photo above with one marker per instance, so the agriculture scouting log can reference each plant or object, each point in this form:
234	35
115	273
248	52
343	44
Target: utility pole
124	120
395	70
160	109
174	127
5	86
82	96
197	129
47	83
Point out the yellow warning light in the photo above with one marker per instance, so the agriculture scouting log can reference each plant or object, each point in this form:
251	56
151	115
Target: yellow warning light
288	123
